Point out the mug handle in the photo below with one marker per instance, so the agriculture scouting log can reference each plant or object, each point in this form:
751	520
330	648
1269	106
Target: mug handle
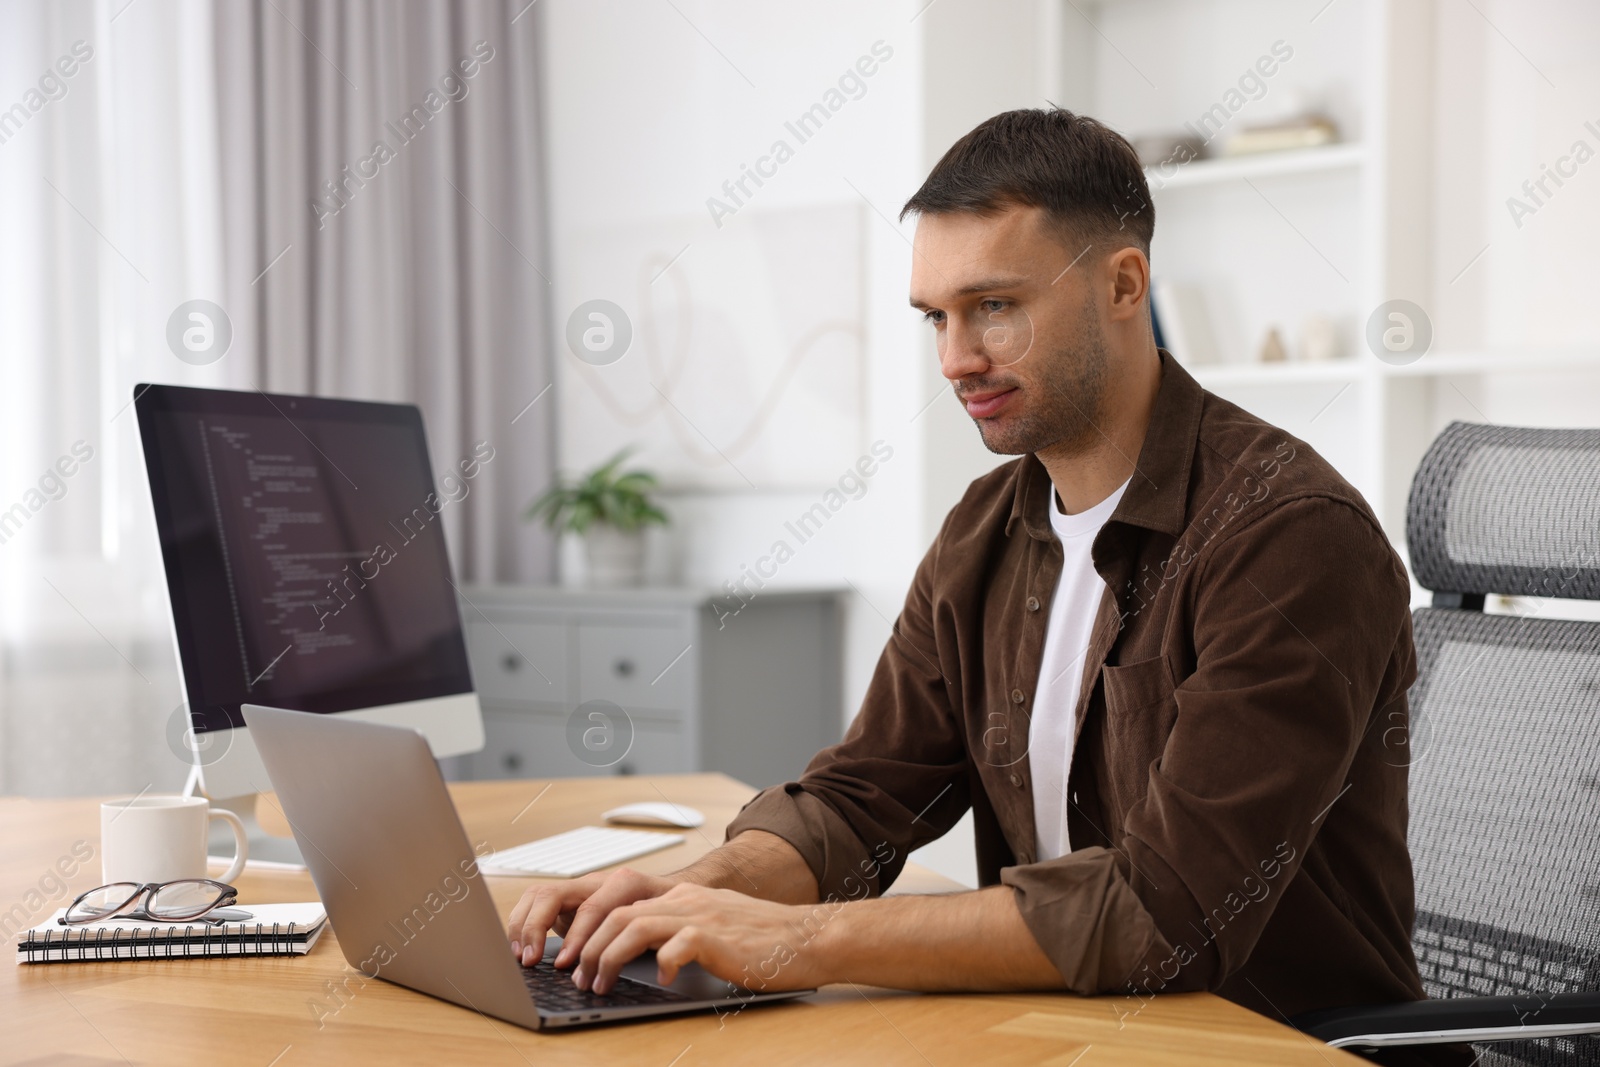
242	847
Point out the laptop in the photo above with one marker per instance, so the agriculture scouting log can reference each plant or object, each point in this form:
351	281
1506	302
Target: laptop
400	882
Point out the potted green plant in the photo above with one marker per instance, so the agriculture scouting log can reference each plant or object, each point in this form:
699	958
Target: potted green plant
609	509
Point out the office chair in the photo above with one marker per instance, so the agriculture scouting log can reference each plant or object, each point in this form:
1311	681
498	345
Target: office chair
1504	753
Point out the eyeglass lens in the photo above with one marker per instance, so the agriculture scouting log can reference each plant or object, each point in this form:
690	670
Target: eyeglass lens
184	900
187	899
107	900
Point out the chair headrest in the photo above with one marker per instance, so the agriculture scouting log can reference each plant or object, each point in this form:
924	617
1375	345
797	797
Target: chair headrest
1510	510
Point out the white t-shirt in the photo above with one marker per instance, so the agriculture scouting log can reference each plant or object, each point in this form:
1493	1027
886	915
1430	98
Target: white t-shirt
1066	642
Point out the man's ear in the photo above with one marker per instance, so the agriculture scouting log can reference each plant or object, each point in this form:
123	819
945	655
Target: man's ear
1130	283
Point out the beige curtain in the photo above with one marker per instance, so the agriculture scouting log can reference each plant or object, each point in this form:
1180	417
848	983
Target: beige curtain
381	200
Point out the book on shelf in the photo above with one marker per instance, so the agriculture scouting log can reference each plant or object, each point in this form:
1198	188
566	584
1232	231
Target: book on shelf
1308	131
1184	322
271	930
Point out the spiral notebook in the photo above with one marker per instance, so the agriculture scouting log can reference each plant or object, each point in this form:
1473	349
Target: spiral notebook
271	930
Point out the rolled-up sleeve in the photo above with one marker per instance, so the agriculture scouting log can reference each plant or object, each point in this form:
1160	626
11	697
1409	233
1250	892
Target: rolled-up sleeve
898	780
1083	911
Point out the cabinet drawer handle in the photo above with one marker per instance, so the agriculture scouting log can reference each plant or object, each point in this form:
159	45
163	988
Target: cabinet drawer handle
623	668
511	761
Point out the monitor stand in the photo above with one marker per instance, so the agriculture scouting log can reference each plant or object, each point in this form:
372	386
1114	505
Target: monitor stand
267	851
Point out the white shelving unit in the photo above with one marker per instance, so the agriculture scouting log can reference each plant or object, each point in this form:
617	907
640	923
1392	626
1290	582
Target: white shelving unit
1267	241
1264	165
1433	365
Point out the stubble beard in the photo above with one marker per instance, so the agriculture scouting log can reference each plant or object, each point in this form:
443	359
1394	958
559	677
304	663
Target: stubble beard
1064	402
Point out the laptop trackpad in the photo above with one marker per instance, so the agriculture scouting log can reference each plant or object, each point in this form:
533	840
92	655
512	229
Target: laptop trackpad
692	981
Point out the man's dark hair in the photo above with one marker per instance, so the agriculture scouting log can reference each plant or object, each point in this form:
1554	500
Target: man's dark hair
1084	175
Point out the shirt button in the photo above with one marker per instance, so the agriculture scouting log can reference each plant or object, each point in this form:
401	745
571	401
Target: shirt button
1033	603
1016	780
1016	696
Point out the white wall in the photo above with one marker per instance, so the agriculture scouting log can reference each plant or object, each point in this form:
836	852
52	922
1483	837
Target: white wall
649	111
1515	87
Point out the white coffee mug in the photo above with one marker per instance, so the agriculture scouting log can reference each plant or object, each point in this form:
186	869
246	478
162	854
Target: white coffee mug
162	839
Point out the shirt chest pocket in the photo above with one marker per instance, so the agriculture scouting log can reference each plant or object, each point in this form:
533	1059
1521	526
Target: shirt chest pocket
1139	714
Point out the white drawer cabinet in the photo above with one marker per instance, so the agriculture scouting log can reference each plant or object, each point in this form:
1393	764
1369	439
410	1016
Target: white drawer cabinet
529	743
635	666
646	681
520	661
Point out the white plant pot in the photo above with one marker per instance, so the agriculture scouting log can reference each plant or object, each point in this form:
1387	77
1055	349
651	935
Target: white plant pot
615	557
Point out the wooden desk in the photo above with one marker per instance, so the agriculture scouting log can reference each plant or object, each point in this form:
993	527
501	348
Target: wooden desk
265	1012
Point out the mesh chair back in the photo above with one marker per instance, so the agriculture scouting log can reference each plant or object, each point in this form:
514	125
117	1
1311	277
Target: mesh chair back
1505	509
1504	738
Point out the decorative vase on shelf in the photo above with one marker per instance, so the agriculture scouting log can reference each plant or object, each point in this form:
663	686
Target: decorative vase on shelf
1319	339
1272	347
609	510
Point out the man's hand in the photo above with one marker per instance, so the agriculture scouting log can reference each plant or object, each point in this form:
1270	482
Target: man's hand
736	937
755	862
575	909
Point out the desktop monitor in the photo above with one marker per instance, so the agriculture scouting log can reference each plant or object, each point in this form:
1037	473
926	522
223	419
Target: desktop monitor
305	557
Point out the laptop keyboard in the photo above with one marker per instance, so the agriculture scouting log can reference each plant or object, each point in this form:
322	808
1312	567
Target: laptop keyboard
553	990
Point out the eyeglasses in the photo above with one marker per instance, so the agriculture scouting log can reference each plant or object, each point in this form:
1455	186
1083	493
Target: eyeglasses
184	900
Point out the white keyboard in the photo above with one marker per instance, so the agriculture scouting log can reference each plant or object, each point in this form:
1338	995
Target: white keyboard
588	848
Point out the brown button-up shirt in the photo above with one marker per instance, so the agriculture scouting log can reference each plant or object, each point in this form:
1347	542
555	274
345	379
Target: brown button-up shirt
1237	794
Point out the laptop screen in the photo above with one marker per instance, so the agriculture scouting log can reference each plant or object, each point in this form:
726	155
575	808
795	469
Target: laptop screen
304	550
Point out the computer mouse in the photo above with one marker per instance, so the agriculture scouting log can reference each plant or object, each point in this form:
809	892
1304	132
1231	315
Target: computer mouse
656	813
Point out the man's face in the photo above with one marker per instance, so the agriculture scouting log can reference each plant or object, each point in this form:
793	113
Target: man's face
1018	328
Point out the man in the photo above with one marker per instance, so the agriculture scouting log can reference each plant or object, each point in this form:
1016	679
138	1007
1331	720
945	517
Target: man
1151	656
